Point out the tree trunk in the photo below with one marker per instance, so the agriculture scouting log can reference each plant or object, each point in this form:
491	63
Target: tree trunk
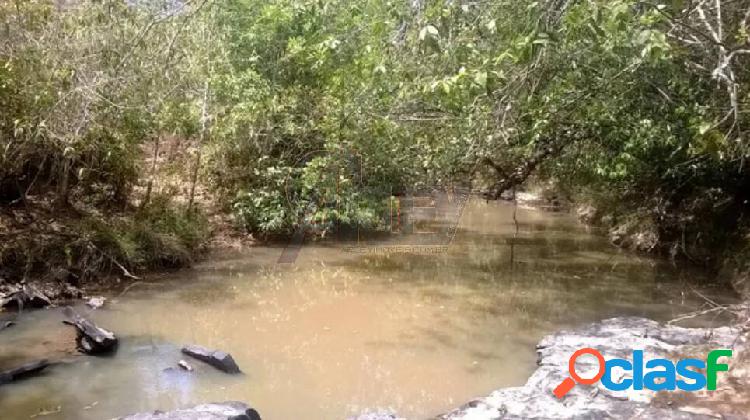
196	167
154	166
64	186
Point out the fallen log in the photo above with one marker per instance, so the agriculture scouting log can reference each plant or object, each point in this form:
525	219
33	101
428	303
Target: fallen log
216	358
91	339
23	371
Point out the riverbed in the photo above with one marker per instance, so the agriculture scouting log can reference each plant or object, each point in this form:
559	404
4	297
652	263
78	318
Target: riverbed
340	329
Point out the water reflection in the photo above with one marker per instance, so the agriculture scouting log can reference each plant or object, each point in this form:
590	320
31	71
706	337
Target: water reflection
337	332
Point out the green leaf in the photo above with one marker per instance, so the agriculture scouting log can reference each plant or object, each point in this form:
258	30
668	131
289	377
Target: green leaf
428	32
491	26
481	79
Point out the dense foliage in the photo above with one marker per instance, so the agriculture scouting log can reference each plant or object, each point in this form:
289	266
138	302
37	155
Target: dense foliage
83	86
315	112
637	107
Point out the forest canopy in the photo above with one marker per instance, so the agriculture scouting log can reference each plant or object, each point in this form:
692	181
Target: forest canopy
315	112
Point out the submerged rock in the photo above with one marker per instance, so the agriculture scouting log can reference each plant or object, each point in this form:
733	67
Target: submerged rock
91	338
614	338
216	358
231	410
23	371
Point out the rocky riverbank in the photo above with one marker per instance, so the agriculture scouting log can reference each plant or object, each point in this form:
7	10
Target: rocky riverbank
615	338
231	410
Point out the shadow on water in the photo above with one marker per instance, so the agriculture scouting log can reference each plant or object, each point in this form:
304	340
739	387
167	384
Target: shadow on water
337	331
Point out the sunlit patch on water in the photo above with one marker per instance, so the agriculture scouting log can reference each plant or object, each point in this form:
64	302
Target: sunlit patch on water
336	332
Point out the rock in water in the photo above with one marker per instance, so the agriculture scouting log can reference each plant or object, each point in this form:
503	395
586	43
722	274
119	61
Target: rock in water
27	297
614	338
216	358
23	371
91	338
185	366
216	411
96	302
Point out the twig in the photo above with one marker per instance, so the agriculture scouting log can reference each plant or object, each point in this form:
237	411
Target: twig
704	297
132	285
125	271
696	314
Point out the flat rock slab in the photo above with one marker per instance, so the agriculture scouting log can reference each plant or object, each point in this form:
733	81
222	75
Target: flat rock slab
216	358
23	371
91	338
614	338
231	410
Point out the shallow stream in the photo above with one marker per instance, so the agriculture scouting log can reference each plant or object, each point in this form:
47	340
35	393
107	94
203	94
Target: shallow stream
339	331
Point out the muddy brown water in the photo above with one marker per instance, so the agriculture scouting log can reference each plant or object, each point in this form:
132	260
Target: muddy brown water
338	332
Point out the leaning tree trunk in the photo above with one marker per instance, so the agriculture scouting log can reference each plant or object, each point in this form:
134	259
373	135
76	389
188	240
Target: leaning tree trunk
544	150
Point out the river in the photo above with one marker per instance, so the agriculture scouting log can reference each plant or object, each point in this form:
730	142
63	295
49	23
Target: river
336	331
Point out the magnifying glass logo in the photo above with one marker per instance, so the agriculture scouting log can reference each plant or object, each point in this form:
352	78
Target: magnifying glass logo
568	384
